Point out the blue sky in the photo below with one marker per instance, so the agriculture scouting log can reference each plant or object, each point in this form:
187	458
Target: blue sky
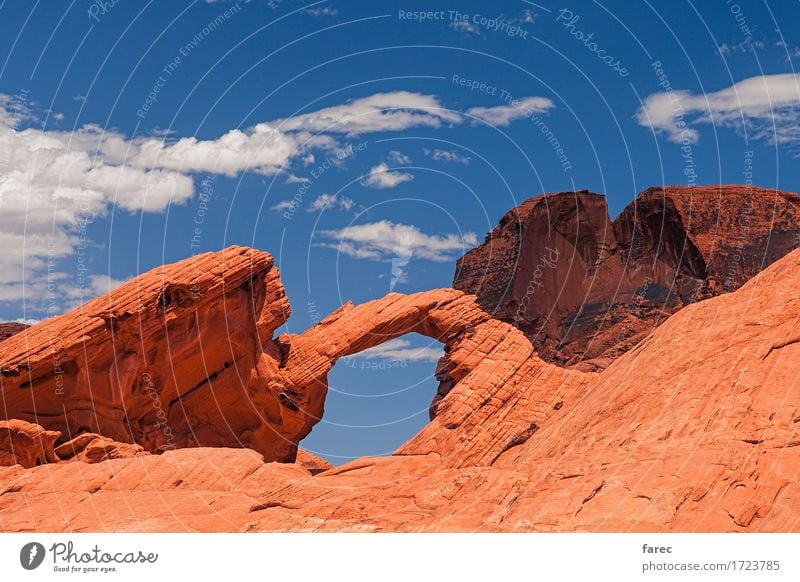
365	144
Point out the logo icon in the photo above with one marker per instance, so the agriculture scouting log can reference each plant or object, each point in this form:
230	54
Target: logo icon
31	555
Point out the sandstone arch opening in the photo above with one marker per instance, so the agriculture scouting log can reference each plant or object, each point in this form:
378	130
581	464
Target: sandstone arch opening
276	393
493	391
378	399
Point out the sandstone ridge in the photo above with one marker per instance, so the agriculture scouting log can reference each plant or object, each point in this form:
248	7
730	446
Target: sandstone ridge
180	356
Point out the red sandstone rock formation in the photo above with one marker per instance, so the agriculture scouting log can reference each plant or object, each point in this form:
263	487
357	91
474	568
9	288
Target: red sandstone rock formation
496	389
26	444
312	463
184	356
94	448
693	430
585	289
11	328
181	356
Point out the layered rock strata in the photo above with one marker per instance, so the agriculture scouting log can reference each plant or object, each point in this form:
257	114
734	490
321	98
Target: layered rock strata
181	356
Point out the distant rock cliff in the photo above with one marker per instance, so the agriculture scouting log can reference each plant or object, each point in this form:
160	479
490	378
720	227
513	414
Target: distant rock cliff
586	289
11	328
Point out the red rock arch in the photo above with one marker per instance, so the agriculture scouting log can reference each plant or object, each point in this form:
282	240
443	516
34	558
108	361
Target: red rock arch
184	356
488	397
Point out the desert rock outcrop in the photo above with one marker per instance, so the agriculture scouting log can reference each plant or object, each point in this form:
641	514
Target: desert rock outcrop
495	387
10	328
180	356
585	289
696	429
26	444
183	356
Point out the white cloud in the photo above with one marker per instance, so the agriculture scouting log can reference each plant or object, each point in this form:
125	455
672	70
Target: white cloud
15	110
790	52
321	11
323	202
54	183
400	349
385	241
102	284
292	179
745	46
466	27
503	115
447	156
284	205
263	149
56	290
394	111
329	201
382	177
399	158
398	268
767	106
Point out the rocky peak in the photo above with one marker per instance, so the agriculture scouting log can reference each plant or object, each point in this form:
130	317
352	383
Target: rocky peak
585	289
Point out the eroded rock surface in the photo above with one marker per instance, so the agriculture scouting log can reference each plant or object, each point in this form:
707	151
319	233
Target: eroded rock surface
586	289
29	445
94	448
495	387
7	329
181	356
311	462
26	444
184	356
696	429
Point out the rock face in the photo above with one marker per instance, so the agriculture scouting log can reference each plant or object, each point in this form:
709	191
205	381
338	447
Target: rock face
494	387
10	328
586	289
26	444
29	445
312	463
94	448
181	356
695	429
